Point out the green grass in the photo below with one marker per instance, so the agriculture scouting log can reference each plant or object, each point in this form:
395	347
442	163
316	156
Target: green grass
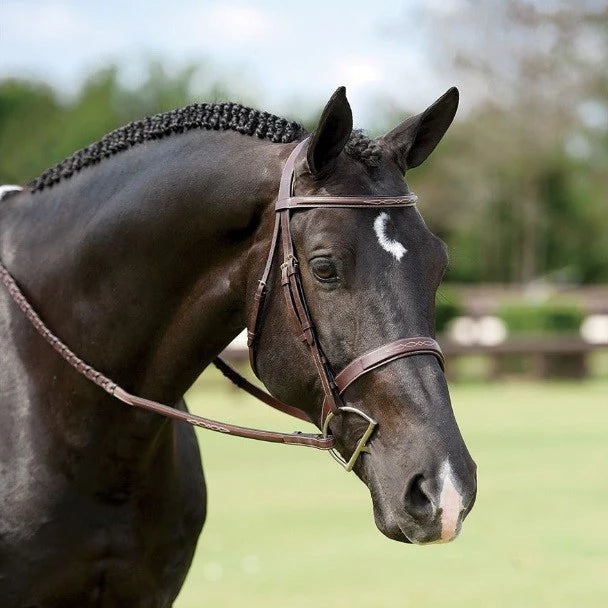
287	527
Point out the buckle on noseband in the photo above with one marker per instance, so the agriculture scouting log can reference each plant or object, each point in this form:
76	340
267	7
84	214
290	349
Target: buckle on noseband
361	444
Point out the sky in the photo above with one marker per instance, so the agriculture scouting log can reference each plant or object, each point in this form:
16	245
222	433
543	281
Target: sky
283	53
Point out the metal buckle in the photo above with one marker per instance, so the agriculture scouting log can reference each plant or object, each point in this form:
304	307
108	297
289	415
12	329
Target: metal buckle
290	260
361	445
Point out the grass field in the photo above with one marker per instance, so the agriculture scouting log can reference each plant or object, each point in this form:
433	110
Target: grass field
287	527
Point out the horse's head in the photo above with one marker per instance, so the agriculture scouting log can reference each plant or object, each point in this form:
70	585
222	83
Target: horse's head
369	278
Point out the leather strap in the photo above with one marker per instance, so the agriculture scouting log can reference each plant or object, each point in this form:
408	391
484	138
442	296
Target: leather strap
241	382
350	202
294	293
382	355
260	297
297	438
294	297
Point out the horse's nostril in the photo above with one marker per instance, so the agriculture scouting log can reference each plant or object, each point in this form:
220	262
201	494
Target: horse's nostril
415	494
417	501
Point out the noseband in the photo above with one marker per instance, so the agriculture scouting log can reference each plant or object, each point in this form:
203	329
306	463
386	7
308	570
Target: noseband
291	281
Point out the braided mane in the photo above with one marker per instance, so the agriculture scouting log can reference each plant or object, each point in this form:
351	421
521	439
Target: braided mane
218	117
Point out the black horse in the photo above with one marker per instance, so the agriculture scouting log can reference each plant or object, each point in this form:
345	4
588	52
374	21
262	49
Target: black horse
142	252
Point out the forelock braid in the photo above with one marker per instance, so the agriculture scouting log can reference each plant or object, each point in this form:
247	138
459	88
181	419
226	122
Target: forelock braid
363	147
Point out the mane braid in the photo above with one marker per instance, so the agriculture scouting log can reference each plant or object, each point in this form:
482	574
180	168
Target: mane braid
210	116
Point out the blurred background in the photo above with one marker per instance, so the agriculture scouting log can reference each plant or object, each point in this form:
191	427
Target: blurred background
519	191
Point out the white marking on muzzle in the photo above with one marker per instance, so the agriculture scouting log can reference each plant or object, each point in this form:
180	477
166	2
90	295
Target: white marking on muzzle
393	247
450	503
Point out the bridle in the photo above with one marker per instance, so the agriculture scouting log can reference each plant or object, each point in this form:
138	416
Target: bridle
291	281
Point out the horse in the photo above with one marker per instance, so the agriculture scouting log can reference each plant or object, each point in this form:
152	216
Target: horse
143	252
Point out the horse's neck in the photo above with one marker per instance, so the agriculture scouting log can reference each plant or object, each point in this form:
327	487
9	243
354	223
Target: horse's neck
140	264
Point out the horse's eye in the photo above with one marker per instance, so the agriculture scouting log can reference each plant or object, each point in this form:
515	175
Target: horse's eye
324	270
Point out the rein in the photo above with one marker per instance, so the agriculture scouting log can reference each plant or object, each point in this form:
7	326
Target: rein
333	385
89	372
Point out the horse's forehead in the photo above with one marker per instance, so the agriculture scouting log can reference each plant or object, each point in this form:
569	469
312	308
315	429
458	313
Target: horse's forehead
376	235
351	177
397	239
359	229
359	222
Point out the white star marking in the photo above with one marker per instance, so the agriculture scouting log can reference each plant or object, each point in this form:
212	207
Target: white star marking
395	248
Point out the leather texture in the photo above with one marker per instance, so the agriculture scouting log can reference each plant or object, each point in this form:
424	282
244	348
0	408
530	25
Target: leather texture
385	354
349	202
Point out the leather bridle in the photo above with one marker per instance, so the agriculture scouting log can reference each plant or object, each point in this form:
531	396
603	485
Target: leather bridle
291	281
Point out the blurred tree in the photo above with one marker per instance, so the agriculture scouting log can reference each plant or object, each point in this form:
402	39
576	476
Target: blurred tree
528	164
39	128
518	189
29	116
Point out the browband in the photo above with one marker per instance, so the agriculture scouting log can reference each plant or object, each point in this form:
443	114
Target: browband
350	202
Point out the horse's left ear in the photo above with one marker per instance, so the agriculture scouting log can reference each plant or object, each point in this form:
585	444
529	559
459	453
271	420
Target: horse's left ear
331	134
415	138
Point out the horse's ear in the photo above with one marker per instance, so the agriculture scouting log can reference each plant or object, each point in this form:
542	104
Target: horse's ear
331	134
415	138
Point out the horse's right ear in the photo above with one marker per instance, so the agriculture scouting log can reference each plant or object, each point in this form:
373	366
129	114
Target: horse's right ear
415	138
331	134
